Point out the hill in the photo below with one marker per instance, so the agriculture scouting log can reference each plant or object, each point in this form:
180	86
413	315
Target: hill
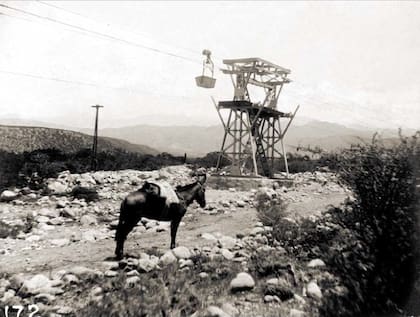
197	141
18	139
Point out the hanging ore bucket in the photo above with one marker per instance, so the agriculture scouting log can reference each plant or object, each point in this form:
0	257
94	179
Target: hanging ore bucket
203	80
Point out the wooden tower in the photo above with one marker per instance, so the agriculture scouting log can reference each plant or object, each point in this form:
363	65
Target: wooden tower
253	136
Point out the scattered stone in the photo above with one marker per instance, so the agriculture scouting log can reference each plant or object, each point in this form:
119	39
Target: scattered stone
296	313
110	273
33	238
17	280
88	220
167	258
313	290
299	299
230	309
133	273
209	237
147	265
56	221
64	310
271	298
227	242
227	254
110	265
242	282
7	296
8	195
182	252
214	311
56	187
240	204
132	281
69	212
185	263
60	242
85	273
61	204
71	279
34	284
48	213
203	275
42	219
256	231
316	263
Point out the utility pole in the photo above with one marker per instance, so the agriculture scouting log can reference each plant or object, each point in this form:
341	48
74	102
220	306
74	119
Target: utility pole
94	162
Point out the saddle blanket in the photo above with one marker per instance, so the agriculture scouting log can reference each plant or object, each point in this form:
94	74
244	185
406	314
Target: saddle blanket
167	191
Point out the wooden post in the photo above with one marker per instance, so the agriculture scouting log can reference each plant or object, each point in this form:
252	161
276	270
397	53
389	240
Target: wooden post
94	162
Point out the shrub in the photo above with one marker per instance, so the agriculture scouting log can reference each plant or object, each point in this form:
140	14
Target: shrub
369	243
383	179
88	194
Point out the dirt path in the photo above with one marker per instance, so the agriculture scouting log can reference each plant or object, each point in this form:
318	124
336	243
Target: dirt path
237	221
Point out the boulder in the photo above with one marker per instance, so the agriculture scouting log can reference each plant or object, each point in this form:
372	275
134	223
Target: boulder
227	242
313	290
84	272
182	252
240	204
88	220
57	187
214	311
167	258
60	242
48	213
34	284
147	265
8	195
71	279
271	298
227	254
132	281
230	309
242	282
316	263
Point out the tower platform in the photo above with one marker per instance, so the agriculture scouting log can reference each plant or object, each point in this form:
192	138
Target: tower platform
244	105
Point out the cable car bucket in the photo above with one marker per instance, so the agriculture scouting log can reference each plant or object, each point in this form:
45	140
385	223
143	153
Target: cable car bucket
204	81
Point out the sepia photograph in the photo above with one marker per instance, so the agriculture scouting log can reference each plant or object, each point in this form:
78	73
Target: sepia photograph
209	158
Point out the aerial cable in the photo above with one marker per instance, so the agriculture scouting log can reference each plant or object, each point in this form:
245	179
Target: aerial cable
81	83
119	26
103	35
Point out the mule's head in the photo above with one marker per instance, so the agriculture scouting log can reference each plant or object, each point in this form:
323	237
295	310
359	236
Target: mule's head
200	195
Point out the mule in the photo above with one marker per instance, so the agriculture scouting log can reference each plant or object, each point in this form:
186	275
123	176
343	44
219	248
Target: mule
142	203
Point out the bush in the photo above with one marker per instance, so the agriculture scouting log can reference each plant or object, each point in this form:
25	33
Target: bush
383	179
88	194
368	244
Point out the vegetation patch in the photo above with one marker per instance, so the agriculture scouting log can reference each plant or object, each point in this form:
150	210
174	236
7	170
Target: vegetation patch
369	244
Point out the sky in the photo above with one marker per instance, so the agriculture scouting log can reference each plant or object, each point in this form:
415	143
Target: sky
352	63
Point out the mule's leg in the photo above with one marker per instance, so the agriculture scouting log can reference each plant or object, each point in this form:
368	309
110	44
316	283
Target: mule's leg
121	236
127	221
174	229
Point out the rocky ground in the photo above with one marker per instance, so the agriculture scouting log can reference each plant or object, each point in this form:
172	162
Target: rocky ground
65	245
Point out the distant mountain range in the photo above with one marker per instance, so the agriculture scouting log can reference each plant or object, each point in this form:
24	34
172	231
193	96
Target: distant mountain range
197	141
25	138
200	140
